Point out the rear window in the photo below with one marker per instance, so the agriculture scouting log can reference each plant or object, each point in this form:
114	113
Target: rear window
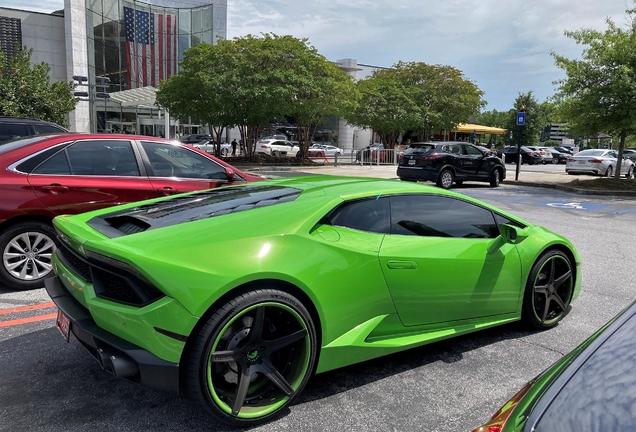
591	153
12	130
419	148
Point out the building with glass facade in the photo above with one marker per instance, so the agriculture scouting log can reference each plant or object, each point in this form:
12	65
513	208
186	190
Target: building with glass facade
118	51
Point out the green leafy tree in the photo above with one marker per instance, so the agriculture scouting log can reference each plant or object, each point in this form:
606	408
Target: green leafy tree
385	105
251	81
534	121
598	93
26	90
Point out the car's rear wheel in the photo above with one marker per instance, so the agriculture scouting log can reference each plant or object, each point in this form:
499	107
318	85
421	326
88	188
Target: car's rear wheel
609	171
555	161
495	178
549	290
27	249
252	357
445	179
630	172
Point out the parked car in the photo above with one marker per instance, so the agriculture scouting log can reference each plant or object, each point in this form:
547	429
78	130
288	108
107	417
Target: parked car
272	147
598	162
451	162
590	389
330	274
486	150
48	175
630	154
557	156
16	127
331	151
210	146
528	156
546	156
567	150
276	137
196	138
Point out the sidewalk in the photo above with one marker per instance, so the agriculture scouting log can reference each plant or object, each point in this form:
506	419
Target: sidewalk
552	180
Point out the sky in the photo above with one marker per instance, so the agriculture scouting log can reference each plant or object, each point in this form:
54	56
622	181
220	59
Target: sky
502	45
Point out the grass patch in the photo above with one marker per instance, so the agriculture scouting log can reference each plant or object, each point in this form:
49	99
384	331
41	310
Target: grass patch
609	184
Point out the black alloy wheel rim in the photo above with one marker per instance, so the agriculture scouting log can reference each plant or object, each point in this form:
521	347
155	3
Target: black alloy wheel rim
552	291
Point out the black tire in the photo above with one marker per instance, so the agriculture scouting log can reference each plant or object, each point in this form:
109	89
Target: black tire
555	161
27	249
266	348
299	154
495	178
548	290
630	173
445	179
609	171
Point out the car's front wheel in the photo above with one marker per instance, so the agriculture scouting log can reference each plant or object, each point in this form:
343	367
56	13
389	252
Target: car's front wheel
495	178
445	179
27	249
630	172
549	290
252	357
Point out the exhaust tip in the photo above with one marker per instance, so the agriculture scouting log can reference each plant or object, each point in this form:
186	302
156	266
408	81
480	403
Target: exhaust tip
122	366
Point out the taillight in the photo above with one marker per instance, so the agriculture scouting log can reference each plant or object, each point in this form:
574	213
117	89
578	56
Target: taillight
570	160
595	161
431	157
498	421
264	146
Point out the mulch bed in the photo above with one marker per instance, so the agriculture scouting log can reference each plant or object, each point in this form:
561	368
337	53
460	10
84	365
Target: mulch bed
609	184
269	160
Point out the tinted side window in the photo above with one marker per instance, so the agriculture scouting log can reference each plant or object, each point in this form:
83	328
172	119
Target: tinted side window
504	220
44	128
12	130
169	160
472	151
107	158
57	165
436	216
365	215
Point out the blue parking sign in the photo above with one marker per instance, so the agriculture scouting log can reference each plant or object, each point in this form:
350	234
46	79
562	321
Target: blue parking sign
521	118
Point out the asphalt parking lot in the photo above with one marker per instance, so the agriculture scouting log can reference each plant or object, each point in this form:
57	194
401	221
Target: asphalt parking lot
48	385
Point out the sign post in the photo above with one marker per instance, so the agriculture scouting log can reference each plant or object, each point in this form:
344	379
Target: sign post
521	122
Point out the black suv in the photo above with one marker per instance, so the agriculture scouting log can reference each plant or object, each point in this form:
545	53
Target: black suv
446	163
16	127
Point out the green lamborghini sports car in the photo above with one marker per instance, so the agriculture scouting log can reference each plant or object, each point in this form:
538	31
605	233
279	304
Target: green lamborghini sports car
235	296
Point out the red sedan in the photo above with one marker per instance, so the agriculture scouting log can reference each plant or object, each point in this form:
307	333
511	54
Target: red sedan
48	175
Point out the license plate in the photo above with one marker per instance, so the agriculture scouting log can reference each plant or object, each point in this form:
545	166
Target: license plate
412	162
581	162
63	324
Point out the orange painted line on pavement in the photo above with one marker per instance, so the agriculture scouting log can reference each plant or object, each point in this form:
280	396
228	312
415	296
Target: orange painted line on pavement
27	308
32	319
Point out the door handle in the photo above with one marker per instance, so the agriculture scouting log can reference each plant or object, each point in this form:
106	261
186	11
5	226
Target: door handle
401	265
167	190
55	189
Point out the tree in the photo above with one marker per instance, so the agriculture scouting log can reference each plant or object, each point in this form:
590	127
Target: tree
534	122
26	90
415	97
599	91
251	81
385	105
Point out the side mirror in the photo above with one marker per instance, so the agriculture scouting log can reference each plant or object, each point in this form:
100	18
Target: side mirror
511	234
229	173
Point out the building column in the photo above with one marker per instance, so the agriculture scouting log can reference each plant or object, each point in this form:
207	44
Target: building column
77	58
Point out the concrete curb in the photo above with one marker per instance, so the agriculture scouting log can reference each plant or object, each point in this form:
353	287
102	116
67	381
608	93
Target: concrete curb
571	189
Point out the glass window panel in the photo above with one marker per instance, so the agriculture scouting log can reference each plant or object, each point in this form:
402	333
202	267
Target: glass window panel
111	9
96	23
206	37
185	22
173	161
94	5
184	42
57	165
196	21
112	158
370	215
206	18
436	216
196	38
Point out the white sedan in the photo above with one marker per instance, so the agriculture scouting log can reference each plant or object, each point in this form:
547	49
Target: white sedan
599	162
271	146
208	146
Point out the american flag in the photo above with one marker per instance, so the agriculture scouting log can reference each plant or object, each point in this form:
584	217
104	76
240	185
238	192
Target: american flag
151	47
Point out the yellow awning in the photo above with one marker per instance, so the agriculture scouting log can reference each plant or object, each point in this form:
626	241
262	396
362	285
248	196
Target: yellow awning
470	128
